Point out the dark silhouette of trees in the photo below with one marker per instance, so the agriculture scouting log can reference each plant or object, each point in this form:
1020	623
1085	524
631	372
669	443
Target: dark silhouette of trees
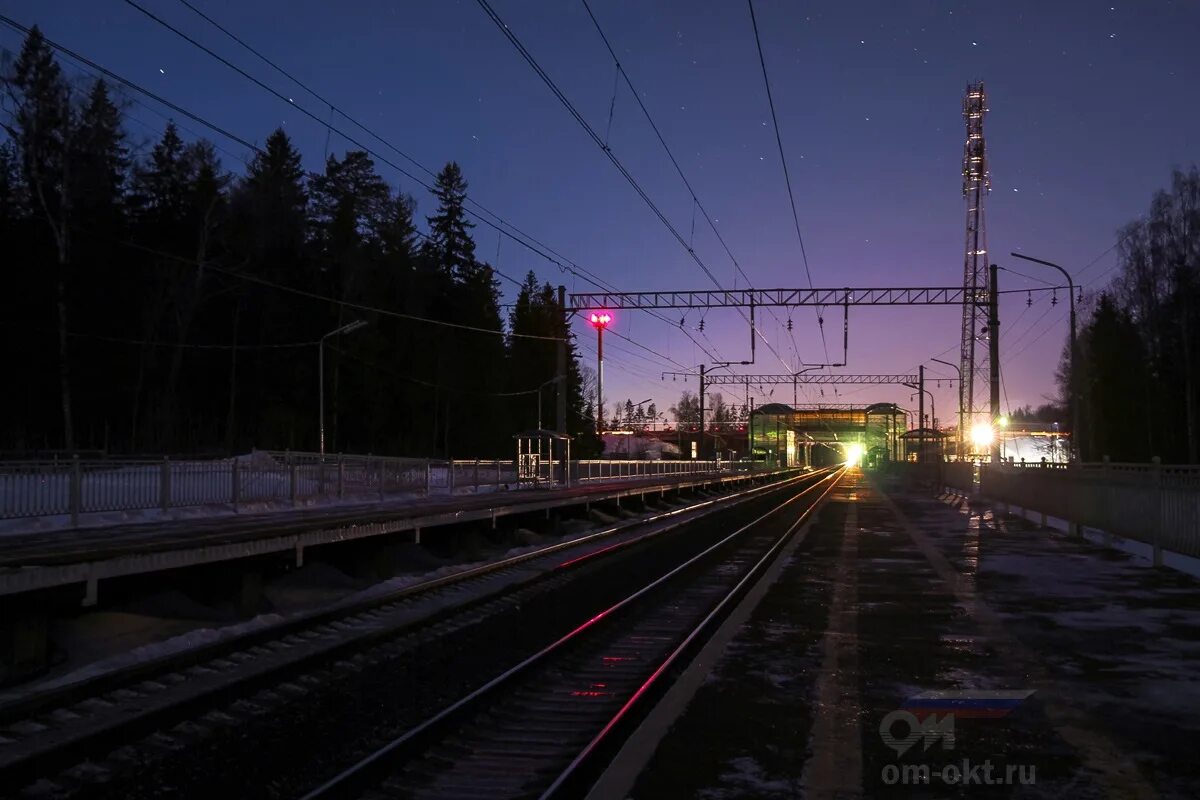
162	303
1139	363
41	126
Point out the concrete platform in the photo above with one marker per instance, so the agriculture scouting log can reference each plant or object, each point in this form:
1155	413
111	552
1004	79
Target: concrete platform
45	560
1075	669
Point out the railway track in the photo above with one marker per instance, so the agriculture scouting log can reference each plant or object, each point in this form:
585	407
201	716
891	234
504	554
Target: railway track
87	739
544	727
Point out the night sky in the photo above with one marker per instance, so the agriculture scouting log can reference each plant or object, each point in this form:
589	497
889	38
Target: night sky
1091	105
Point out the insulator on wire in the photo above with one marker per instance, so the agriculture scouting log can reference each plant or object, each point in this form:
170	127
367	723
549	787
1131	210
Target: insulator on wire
1054	297
1079	298
1029	300
702	326
789	326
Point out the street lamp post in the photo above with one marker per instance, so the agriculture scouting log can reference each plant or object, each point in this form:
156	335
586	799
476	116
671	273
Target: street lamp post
600	321
921	422
802	371
1072	393
347	328
958	443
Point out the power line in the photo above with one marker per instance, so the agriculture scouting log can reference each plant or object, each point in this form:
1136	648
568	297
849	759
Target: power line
1029	329
603	147
175	345
1035	339
500	225
422	382
636	343
326	299
291	102
233	137
679	170
1023	275
1012	326
130	84
787	178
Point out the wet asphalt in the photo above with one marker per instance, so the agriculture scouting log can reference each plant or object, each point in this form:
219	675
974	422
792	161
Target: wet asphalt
895	592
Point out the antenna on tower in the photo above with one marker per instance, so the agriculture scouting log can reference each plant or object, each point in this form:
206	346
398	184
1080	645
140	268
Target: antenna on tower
974	390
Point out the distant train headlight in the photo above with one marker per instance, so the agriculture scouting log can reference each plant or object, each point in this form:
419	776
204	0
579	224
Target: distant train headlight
982	435
854	454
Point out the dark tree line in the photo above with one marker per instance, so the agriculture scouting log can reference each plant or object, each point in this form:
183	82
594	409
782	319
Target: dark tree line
163	303
1139	349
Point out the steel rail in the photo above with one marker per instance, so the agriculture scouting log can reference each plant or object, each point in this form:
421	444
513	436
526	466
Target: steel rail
347	781
72	694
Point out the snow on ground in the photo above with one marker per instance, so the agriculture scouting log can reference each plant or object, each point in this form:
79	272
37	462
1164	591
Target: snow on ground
146	652
170	622
1102	615
203	489
747	778
1140	550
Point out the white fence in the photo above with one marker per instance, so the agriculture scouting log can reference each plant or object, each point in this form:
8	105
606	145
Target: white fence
74	486
1158	504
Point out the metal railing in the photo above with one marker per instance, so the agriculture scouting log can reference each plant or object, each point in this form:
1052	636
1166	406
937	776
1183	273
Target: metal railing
604	469
75	485
1157	504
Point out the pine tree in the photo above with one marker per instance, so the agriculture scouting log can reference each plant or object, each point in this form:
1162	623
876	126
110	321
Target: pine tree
99	169
40	124
268	223
100	164
450	244
349	206
160	186
474	360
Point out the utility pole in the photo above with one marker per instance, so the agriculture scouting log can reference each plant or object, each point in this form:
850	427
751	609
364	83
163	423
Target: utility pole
561	371
600	322
960	442
700	446
750	426
1072	389
994	357
921	413
932	414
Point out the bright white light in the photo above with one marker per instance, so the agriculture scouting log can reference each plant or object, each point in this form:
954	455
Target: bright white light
982	435
854	454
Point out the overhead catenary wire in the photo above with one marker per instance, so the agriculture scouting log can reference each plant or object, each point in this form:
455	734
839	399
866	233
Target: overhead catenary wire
596	138
254	148
173	345
327	299
696	204
787	178
500	225
130	84
1023	275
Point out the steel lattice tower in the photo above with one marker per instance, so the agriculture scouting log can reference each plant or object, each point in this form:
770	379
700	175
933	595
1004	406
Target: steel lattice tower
974	389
